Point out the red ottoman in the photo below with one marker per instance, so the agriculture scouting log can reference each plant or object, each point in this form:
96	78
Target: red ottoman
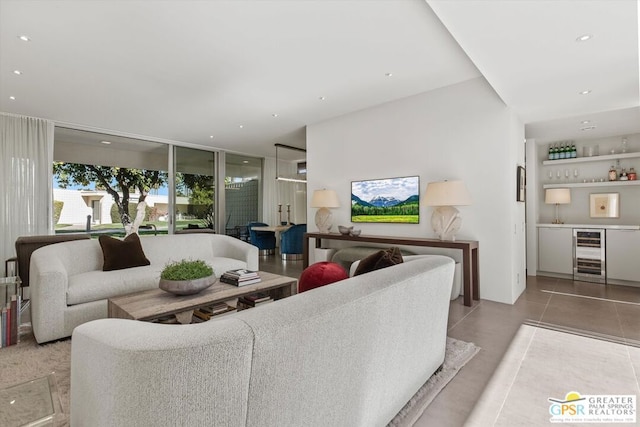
320	274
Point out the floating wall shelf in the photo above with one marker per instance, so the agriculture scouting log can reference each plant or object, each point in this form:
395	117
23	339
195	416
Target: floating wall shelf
593	184
591	159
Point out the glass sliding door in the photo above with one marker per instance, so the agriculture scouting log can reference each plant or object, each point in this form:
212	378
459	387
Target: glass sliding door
194	189
99	179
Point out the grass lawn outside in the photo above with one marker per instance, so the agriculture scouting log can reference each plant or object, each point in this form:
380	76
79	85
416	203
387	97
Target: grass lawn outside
406	219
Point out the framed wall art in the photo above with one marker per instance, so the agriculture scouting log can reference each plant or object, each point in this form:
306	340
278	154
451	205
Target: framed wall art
605	205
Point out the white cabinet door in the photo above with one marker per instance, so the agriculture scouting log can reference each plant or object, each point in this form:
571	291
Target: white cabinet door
623	255
555	250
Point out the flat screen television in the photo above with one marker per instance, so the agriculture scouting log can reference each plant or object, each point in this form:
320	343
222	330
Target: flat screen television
386	200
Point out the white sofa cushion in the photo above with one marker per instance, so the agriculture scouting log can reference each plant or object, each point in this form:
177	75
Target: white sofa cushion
99	285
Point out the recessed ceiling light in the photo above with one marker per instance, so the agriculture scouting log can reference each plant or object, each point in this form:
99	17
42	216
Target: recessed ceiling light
13	98
584	122
322	98
245	161
588	128
18	72
275	114
211	136
585	92
105	142
388	74
24	38
241	126
584	38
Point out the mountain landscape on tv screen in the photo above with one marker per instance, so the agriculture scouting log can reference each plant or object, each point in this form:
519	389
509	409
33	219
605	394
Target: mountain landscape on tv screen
383	201
381	204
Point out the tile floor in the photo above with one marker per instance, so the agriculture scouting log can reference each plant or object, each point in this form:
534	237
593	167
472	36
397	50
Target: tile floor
541	364
611	310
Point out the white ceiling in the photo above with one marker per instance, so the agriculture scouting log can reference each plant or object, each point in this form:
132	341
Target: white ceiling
529	53
187	70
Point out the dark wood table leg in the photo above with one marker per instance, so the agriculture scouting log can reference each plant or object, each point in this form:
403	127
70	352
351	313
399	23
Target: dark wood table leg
466	274
305	252
476	274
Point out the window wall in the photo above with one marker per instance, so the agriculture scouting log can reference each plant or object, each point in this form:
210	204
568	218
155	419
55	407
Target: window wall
98	178
194	189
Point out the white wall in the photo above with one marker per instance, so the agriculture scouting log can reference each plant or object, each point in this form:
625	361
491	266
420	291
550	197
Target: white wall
519	237
533	189
463	132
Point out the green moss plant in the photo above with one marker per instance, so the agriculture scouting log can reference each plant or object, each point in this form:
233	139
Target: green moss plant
186	270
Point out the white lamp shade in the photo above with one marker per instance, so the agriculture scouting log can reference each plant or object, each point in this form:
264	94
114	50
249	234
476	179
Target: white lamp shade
561	196
447	193
325	199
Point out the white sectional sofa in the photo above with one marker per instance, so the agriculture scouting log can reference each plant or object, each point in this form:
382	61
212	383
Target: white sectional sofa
351	353
68	286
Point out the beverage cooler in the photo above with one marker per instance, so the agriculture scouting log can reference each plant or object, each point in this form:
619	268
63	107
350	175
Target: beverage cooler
589	263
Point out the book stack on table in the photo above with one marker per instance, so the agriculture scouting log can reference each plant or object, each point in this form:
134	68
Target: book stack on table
206	313
253	300
240	277
10	304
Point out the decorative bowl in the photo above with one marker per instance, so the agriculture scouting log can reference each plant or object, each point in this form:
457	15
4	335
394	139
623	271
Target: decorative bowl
344	230
187	287
355	233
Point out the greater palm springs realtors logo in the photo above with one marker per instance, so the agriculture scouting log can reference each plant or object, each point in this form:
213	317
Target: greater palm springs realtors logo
605	408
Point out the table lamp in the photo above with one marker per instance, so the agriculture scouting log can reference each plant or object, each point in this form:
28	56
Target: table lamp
557	196
444	195
324	199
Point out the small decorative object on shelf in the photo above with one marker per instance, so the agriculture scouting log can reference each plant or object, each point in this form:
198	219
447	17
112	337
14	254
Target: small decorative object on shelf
348	231
632	174
613	174
344	230
623	175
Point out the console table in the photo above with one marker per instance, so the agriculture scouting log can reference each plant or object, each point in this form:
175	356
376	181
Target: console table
469	248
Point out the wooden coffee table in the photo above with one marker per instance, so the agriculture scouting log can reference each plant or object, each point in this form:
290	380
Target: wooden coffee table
155	304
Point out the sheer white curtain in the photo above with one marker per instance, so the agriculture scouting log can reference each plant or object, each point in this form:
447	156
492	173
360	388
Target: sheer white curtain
26	158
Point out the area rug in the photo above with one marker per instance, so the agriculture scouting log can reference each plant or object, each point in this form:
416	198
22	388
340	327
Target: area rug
546	368
457	354
27	360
